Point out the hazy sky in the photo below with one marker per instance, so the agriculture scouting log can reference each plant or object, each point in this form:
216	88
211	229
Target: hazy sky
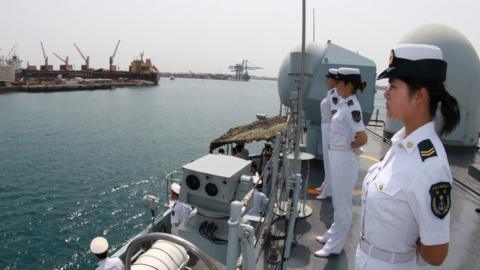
210	35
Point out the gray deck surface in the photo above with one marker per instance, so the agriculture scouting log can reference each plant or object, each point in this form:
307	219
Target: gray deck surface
464	250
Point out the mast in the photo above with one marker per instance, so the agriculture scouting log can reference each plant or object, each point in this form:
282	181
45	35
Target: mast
313	26
299	128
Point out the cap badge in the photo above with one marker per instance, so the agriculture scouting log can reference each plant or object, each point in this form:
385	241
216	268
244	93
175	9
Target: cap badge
392	56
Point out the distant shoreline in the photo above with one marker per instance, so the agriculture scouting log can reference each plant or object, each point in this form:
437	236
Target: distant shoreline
211	76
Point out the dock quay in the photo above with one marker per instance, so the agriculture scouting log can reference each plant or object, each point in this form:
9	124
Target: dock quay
66	87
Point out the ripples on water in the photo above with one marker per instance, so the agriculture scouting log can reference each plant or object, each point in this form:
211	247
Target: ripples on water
76	165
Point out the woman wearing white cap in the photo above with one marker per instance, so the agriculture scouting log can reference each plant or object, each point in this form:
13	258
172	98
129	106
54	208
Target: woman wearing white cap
347	132
180	210
99	247
406	196
328	107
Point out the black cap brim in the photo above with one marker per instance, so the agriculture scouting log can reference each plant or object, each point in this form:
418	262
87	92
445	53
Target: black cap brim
425	68
349	77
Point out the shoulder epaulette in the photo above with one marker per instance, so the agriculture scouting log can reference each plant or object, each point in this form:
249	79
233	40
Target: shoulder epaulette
426	149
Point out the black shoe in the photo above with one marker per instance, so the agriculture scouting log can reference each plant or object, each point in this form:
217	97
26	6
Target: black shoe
477	210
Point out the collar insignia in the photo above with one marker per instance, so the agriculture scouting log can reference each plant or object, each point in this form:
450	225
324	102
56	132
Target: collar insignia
335	100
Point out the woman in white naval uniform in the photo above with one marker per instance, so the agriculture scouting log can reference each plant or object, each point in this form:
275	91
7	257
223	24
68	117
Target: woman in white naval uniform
406	196
328	107
347	132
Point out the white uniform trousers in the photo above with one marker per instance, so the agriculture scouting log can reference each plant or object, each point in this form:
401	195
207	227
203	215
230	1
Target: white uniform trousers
344	169
327	187
366	262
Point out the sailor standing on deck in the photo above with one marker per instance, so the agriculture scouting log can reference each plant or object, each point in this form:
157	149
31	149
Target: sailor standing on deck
347	133
99	247
406	197
180	210
328	107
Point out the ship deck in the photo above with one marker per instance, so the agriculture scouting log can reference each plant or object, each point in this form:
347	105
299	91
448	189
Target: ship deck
465	222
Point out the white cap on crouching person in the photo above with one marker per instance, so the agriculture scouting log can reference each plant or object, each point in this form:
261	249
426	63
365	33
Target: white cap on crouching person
99	245
175	188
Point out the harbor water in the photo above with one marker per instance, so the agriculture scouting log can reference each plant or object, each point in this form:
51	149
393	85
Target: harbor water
75	165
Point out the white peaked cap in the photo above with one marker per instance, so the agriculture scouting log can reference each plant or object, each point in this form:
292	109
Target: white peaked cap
417	51
416	60
99	245
175	188
333	71
349	71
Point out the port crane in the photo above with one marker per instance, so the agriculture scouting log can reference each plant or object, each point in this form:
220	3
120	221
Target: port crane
11	51
46	66
85	67
241	70
66	66
113	67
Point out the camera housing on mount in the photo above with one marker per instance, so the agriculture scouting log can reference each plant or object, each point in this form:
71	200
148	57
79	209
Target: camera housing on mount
212	182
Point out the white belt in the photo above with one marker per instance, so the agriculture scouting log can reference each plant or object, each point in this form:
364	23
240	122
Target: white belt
339	147
386	256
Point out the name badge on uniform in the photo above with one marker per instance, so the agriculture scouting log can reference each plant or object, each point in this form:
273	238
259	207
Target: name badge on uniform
356	116
440	199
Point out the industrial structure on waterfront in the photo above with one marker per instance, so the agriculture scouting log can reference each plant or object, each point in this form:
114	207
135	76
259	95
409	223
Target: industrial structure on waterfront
139	69
241	70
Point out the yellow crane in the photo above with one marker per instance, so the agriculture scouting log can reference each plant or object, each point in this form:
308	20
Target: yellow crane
85	67
113	67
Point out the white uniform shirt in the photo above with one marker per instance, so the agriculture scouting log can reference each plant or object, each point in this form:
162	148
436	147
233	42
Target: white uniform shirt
179	213
329	103
259	202
402	193
110	264
346	123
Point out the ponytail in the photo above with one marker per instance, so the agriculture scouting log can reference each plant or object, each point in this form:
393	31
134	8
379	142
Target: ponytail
438	94
450	112
358	85
362	86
